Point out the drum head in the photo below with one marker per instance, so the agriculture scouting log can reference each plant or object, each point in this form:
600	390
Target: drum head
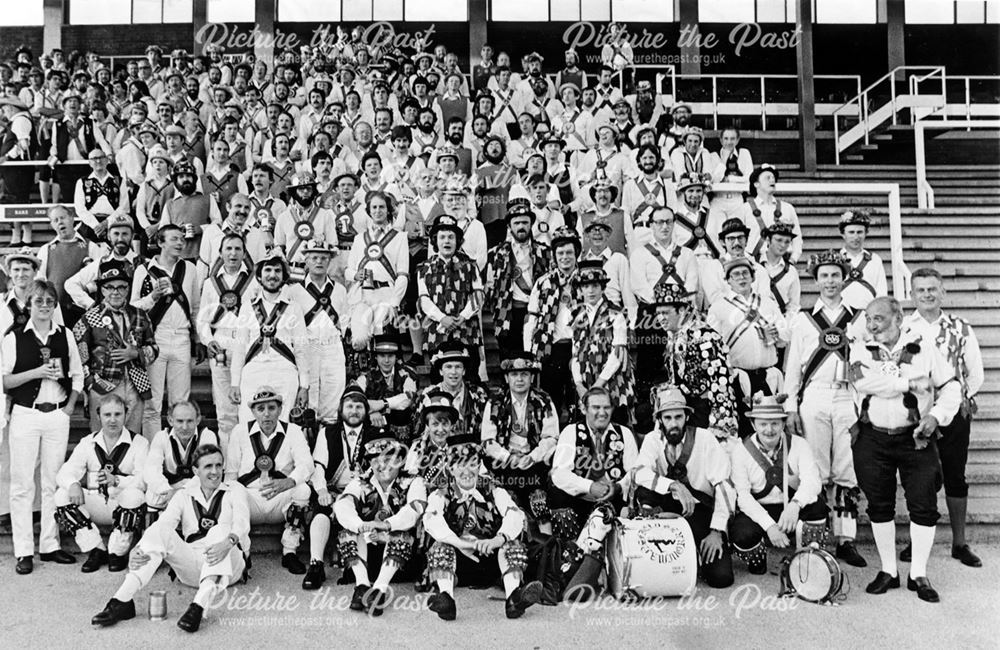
810	575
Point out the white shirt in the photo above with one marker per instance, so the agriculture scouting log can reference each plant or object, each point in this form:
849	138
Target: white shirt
748	350
972	355
293	458
49	391
291	330
234	517
766	208
748	477
83	463
857	293
345	509
646	270
160	456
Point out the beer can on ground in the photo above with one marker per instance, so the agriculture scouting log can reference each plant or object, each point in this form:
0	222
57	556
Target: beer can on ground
157	605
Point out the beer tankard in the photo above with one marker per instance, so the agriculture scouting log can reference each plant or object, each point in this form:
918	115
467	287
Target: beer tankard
166	285
157	605
189	231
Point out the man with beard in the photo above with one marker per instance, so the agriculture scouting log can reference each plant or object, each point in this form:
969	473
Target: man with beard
427	135
697	230
455	136
647	106
271	459
338	459
63	257
324	303
82	285
98	196
495	178
169	290
223	293
680	114
646	193
548	332
511	271
450	291
685	471
203	535
865	279
606	94
170	462
256	241
117	345
535	97
189	210
820	405
590	474
270	336
763	209
571	73
391	388
519	435
302	221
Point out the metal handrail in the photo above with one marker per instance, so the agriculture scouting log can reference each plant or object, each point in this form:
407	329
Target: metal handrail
925	193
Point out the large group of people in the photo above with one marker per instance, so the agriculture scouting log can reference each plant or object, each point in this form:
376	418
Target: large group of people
322	230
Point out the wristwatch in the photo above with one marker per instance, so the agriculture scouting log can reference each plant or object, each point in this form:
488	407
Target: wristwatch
234	539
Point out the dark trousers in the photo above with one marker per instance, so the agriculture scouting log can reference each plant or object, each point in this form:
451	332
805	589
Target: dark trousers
17	183
67	176
877	459
555	376
512	342
953	449
746	533
718	573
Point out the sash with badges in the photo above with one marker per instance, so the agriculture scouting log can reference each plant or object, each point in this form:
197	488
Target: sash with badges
610	460
182	460
263	465
699	234
230	298
268	333
856	274
305	229
322	302
832	340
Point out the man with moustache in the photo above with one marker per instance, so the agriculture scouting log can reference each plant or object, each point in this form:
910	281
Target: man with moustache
257	241
304	220
512	268
82	286
733	236
645	194
190	210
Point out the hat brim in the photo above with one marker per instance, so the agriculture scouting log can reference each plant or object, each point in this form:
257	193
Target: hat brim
264	400
438	408
15	257
767	415
613	189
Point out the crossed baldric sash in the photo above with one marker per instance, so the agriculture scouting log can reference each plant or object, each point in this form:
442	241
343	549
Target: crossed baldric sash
268	332
111	463
832	340
774	280
230	298
305	228
182	459
773	471
322	302
264	458
755	211
751	316
505	103
669	266
654	197
177	295
856	274
699	231
569	126
375	251
207	517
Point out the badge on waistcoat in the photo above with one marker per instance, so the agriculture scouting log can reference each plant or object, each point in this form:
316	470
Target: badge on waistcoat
699	232
304	230
832	339
651	198
374	252
774	474
543	226
345	224
229	299
264	463
46	354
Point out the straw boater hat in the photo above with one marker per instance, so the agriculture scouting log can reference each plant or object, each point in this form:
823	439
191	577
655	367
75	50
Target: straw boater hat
521	361
852	218
831	257
678	106
667	397
263	395
159	153
768	407
317	245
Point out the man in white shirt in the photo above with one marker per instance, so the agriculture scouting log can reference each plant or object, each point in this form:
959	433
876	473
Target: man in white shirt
763	208
619	288
781	275
956	340
865	278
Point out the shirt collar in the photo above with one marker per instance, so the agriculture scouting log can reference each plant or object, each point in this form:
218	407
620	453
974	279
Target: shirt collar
255	428
125	437
30	327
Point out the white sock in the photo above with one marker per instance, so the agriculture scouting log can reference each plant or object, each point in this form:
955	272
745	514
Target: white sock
885	541
206	589
130	585
921	539
319	535
447	586
360	574
385	575
511	581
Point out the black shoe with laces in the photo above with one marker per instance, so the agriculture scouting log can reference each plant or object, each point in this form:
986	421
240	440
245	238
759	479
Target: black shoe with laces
315	576
294	565
190	621
847	552
95	560
114	612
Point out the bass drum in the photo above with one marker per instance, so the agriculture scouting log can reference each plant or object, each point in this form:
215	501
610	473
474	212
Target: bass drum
813	575
648	558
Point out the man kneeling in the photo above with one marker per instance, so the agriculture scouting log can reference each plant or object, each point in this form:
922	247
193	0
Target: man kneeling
774	480
214	523
488	524
379	508
684	470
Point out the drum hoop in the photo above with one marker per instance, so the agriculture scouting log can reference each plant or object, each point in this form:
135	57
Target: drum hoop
836	574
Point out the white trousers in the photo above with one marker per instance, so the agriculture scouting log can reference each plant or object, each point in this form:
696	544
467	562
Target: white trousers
827	416
327	376
187	559
226	412
34	437
170	374
272	511
100	513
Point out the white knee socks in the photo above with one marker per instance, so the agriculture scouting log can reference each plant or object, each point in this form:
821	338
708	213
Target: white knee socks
922	539
885	541
319	534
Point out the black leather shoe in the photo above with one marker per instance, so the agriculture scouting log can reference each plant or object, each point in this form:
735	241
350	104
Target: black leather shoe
117	563
443	605
522	598
923	588
58	556
374	601
315	576
882	583
97	558
964	554
113	612
25	565
190	621
847	552
906	554
358	598
294	565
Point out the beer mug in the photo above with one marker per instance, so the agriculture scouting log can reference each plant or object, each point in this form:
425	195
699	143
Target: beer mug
369	281
166	286
157	605
220	357
56	365
189	231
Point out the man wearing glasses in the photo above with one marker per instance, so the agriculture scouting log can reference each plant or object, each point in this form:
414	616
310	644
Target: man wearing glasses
116	345
42	376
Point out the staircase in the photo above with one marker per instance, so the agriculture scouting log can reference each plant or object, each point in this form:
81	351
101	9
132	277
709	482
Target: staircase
960	238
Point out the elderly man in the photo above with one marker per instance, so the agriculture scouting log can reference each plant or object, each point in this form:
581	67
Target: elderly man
684	470
955	338
81	285
271	459
907	390
97	196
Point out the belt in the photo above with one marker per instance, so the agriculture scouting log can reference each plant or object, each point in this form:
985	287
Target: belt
836	385
48	407
517	304
895	431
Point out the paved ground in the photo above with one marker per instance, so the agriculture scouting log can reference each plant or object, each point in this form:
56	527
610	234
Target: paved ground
54	606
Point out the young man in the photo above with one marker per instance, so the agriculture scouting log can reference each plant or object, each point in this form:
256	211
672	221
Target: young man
782	276
391	388
763	208
777	486
821	404
590	477
684	470
269	342
42	378
698	229
692	158
271	459
453	364
600	342
956	340
15	310
170	461
379	508
645	194
512	268
907	390
101	483
865	279
338	459
168	289
732	165
324	305
478	518
203	534
451	293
